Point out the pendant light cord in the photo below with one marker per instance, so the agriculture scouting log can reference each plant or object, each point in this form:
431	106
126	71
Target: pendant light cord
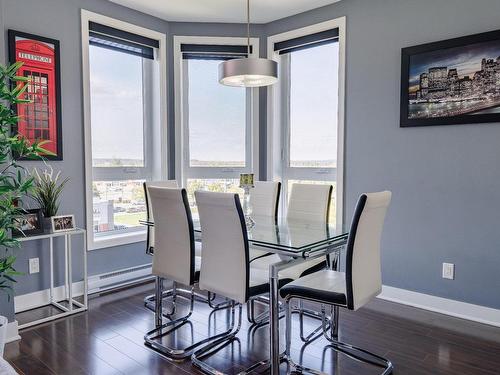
248	28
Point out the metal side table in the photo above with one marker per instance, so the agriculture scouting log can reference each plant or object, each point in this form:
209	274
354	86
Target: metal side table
66	304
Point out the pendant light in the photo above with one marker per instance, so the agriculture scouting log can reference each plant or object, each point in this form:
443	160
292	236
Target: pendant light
249	71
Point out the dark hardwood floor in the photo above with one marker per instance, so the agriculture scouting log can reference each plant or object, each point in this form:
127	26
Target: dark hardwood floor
108	339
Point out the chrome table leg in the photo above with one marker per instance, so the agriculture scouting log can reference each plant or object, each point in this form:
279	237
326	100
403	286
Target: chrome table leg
274	333
334	327
159	301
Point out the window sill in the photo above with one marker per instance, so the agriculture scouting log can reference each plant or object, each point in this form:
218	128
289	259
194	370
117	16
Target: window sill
112	240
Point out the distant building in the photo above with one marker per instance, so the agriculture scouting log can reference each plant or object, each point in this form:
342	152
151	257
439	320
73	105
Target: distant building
103	216
453	83
438	78
466	86
489	68
424	85
440	83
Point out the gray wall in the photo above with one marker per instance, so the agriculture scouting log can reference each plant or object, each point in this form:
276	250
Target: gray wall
445	179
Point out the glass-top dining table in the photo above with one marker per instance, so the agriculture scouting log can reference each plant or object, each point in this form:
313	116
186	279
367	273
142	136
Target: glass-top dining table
295	241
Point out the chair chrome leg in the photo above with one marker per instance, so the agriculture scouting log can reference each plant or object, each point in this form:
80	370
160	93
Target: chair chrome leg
162	330
336	370
362	355
218	306
174	299
288	329
288	343
301	319
317	332
262	318
216	345
330	331
251	311
159	299
333	262
211	297
149	301
334	326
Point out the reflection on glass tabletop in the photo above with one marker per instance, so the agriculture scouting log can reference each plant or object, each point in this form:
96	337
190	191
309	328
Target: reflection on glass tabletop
295	235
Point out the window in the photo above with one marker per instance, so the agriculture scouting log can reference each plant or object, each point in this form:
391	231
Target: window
307	120
216	118
217	132
122	119
313	100
116	95
119	125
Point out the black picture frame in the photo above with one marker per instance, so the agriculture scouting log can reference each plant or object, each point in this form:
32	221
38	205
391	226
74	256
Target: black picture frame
406	55
39	229
12	37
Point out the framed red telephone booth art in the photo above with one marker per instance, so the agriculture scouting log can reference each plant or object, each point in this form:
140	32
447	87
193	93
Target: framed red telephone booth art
39	120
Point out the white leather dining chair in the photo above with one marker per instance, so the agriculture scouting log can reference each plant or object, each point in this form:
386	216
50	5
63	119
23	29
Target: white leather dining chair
149	300
225	266
174	259
265	197
309	202
150	239
361	282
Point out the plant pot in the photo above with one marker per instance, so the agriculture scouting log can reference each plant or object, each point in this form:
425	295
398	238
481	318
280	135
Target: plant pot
3	333
47	224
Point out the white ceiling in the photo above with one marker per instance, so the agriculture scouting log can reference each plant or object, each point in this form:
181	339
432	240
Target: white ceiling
261	11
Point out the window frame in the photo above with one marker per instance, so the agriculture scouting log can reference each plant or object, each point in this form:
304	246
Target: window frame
183	170
152	168
278	121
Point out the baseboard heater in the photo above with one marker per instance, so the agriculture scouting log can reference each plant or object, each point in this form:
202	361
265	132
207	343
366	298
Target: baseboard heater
120	278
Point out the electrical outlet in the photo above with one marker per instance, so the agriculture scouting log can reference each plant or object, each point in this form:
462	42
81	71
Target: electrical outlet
448	271
34	264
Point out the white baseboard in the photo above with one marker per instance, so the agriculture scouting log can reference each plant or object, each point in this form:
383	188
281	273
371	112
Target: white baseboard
36	299
464	310
12	332
97	283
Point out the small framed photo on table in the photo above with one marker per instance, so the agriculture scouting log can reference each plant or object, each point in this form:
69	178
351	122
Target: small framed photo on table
29	224
246	180
63	223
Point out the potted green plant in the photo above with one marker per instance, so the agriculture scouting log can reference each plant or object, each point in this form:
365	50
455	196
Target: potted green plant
15	182
47	190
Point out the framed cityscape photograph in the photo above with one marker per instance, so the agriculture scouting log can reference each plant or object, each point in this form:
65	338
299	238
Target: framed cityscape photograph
39	120
455	81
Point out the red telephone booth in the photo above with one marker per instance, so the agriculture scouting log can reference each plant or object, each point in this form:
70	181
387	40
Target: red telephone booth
38	120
